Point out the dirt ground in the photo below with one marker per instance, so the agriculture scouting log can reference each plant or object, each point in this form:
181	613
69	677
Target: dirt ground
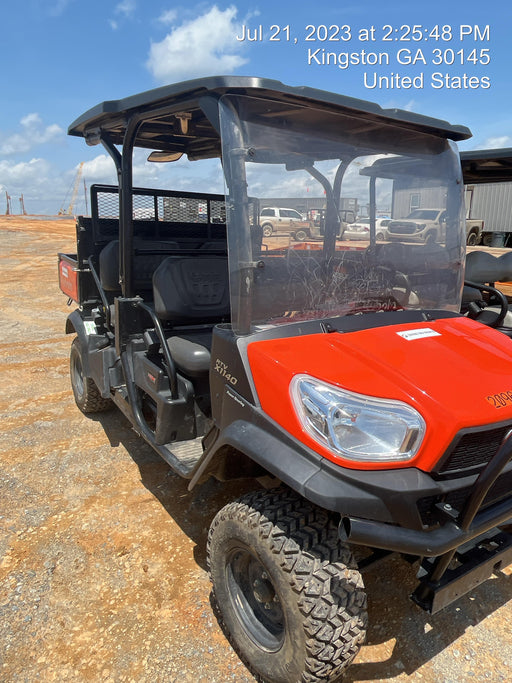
102	549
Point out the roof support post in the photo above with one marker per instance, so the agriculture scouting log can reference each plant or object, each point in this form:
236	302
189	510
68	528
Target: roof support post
126	208
107	143
373	209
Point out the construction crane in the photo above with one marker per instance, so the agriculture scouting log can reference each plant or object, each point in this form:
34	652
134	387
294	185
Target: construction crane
69	211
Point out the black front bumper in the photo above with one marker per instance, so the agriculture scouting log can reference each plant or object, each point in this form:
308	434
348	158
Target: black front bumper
455	528
458	554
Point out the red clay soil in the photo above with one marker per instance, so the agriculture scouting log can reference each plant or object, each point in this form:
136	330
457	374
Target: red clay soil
102	548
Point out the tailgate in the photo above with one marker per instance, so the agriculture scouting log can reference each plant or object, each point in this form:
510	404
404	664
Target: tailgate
68	278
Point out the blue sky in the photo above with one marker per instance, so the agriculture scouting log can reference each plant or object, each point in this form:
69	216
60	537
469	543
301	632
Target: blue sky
61	57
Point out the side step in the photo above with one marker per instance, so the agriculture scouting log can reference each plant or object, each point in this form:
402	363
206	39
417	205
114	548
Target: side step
472	565
182	456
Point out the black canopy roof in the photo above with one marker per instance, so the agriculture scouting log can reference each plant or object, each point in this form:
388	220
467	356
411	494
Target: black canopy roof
487	165
184	117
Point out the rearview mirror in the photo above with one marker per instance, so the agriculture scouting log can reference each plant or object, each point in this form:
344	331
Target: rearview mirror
165	156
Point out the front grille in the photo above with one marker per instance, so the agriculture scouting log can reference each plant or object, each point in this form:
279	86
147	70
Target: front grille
472	450
469	454
402	228
501	489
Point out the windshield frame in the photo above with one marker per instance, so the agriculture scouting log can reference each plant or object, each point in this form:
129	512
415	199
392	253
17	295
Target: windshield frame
252	134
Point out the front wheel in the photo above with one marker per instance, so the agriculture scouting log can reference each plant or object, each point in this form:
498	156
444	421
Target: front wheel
87	395
267	229
472	239
288	590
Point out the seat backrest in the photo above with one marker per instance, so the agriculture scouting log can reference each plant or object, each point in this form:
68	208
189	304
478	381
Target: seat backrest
506	266
192	290
483	267
109	267
147	256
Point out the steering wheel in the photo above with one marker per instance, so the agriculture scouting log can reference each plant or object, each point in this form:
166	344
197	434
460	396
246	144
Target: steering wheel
490	318
399	280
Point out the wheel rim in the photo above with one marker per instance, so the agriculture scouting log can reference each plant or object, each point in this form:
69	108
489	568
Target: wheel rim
255	600
78	376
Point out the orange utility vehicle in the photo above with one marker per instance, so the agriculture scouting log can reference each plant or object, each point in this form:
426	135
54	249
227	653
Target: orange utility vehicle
372	416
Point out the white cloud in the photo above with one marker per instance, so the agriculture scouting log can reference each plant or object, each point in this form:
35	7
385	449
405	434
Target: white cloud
126	7
22	173
57	8
497	142
203	46
101	169
34	180
46	189
33	133
168	17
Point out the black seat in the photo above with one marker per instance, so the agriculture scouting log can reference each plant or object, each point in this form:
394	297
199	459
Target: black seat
147	256
192	292
485	268
190	356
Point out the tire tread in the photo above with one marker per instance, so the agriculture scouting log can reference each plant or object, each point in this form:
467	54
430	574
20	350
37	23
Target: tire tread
321	571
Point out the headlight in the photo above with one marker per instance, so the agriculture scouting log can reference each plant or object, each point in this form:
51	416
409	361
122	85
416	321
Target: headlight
354	426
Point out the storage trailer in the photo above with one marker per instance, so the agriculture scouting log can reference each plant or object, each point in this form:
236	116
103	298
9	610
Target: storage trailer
487	178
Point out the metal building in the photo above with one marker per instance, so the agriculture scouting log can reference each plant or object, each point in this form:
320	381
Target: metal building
487	177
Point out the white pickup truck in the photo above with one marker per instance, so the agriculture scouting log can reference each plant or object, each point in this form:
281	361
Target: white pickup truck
275	218
424	225
474	229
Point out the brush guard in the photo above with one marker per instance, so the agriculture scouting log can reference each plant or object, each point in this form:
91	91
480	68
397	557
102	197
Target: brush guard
445	578
459	554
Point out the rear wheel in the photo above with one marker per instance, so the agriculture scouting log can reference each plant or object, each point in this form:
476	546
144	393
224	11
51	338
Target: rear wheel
300	235
85	391
288	590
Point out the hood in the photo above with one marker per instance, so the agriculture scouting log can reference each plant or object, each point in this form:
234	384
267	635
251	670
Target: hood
455	372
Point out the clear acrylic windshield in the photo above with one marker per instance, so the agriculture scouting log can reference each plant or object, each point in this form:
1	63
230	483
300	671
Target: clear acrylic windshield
332	215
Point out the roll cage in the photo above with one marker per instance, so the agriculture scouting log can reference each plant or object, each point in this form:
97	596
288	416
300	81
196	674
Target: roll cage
184	119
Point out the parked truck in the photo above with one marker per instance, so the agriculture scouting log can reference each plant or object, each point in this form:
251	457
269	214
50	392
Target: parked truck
474	230
370	415
424	225
421	225
315	227
281	219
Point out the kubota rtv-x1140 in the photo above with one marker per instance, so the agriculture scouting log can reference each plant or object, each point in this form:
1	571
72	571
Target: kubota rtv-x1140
340	374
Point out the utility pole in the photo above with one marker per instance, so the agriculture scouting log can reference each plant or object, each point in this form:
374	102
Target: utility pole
22	206
8	209
86	202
